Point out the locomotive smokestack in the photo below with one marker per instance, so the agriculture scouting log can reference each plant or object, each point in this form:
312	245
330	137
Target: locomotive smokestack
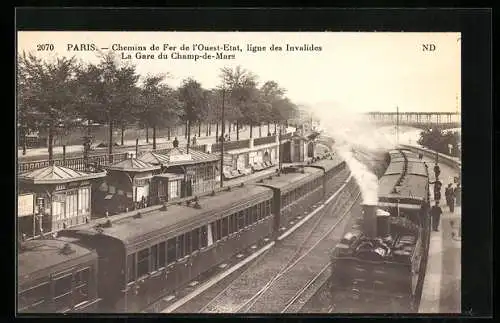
383	223
370	220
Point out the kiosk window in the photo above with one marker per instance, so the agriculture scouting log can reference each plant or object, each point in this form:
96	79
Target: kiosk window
62	292
204	237
33	299
81	286
195	235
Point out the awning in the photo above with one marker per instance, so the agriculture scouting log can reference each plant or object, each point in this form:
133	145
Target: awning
170	176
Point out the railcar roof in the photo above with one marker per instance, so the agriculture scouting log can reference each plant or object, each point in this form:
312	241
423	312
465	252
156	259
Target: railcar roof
42	254
131	229
328	164
287	179
412	186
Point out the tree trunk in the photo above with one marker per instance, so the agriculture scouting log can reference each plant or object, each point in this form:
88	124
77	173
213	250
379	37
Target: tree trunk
154	138
186	130
237	130
123	130
168	133
199	129
147	134
229	126
110	143
251	131
217	132
268	127
275	127
51	143
209	129
188	136
260	130
24	140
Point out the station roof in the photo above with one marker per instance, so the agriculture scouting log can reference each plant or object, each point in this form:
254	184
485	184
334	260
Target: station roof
412	187
328	163
57	175
133	165
177	218
177	156
38	255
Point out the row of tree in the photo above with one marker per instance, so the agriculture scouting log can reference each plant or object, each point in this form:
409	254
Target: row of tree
446	142
62	94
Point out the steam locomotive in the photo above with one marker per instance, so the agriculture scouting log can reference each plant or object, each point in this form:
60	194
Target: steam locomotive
127	264
379	265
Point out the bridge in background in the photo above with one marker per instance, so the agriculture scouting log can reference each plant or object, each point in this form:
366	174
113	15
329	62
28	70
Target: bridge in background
444	120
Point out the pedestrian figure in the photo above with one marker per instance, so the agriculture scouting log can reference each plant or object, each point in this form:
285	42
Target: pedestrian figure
450	199
458	195
175	142
420	156
437	189
436	216
437	171
194	140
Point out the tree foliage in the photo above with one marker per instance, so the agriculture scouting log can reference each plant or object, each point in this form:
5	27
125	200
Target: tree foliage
439	140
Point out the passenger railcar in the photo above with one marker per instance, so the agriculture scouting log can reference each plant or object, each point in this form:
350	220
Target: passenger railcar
330	167
381	267
56	276
294	191
144	258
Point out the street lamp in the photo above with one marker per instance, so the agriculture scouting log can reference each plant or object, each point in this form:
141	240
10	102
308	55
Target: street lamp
39	214
222	141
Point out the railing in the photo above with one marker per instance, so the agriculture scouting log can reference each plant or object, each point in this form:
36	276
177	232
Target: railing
264	140
446	159
231	145
76	163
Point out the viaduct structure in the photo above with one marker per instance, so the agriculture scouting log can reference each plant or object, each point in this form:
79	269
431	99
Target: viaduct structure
444	120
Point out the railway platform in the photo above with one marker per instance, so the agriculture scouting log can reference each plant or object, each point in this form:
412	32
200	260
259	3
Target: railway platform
442	285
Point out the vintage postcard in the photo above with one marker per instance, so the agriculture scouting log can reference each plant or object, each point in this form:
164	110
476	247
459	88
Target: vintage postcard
238	172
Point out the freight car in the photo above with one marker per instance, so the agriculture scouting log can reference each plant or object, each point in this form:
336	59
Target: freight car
380	267
56	276
144	257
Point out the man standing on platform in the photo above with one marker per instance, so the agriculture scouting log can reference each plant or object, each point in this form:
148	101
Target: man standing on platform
175	142
437	171
436	216
437	190
458	194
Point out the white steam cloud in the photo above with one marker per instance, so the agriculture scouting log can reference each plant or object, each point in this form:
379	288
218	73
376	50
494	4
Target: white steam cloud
354	132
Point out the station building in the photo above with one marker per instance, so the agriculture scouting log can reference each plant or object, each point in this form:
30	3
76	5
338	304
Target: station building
54	197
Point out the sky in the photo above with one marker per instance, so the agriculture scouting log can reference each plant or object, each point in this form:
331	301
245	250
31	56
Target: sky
355	72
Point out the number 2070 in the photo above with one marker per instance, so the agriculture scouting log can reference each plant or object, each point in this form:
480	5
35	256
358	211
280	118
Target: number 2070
44	47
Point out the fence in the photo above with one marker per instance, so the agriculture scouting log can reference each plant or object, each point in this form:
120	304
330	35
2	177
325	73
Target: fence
448	160
77	163
264	140
231	145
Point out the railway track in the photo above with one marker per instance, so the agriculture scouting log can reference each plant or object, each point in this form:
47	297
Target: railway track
266	265
244	292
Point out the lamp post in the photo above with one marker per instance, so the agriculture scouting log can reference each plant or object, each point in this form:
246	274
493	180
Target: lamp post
38	214
222	141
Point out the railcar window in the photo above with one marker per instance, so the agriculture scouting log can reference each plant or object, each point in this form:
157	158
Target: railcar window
161	254
62	292
204	237
187	240
33	299
131	268
241	220
254	217
81	286
248	221
143	262
231	223
154	258
225	226
213	227
195	235
171	251
180	247
219	229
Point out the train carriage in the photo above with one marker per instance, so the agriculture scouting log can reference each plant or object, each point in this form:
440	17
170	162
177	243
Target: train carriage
145	258
381	268
56	276
331	167
294	191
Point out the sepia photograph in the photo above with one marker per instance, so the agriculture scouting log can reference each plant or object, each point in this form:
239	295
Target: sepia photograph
238	172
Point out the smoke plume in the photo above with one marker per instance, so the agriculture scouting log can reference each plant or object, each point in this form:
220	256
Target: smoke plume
356	138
